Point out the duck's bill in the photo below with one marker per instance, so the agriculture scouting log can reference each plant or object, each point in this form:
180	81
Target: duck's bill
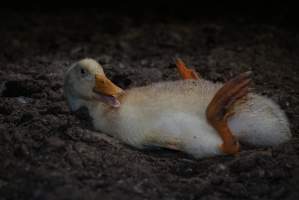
106	91
109	100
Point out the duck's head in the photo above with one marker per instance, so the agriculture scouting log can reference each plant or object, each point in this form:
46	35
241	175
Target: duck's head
85	81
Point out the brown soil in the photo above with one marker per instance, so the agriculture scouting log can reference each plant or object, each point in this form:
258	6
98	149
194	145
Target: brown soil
48	153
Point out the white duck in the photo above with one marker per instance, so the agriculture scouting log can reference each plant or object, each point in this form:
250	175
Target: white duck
194	116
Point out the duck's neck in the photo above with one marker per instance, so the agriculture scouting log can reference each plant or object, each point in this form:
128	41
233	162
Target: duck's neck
74	102
104	117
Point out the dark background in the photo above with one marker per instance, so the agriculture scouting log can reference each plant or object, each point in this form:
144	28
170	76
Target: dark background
261	11
46	152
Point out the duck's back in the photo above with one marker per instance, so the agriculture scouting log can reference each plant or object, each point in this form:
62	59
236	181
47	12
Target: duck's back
190	96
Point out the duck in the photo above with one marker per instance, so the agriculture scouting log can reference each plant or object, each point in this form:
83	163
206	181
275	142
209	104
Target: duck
193	115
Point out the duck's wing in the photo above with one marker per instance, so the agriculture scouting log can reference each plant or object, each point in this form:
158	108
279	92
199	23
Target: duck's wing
186	72
221	108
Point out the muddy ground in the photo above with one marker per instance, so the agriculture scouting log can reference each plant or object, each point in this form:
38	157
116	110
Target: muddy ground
46	152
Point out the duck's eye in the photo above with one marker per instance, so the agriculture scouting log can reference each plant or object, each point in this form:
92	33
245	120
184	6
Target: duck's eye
83	72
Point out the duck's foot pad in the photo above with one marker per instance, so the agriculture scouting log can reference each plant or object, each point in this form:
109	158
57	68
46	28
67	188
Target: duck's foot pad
186	72
221	108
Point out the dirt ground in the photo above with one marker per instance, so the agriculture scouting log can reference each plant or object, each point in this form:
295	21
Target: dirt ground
46	152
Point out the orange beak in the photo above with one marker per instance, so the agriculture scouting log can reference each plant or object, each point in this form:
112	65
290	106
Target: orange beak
106	87
107	91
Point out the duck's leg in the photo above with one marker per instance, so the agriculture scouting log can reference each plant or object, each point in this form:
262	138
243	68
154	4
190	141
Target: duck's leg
221	108
186	72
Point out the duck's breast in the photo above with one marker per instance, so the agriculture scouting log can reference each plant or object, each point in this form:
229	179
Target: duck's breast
185	131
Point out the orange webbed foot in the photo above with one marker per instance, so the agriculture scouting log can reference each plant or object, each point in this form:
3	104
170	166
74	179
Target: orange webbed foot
186	72
221	106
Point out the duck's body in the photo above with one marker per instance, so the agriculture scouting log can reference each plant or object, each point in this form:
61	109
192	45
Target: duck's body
173	115
177	117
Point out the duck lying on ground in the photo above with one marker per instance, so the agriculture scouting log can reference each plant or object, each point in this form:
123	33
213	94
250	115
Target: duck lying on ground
193	115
